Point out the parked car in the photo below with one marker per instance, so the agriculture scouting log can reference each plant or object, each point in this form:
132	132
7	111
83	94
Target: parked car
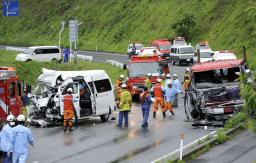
223	55
40	53
130	49
203	47
164	47
204	56
148	51
182	54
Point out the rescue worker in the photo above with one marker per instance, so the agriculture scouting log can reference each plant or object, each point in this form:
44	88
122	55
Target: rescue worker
176	86
124	106
158	96
119	82
22	137
163	80
6	138
68	110
145	99
168	78
148	81
66	54
169	97
186	82
187	73
129	87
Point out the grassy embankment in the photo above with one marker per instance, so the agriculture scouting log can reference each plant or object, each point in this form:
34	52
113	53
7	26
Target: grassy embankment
30	71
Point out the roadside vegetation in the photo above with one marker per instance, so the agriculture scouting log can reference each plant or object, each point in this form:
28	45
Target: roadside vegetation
30	71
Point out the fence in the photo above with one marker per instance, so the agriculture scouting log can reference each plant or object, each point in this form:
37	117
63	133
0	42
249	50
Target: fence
11	48
115	63
83	57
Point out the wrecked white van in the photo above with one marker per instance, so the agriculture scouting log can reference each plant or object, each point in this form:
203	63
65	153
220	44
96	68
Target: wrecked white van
92	90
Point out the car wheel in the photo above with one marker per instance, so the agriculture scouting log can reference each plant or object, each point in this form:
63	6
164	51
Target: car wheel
104	117
29	60
54	60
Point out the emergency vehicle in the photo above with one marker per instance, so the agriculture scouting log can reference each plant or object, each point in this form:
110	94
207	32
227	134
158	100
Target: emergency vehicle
140	66
10	93
179	41
164	47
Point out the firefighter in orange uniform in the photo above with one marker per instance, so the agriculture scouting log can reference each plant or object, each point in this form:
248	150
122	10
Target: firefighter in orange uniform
119	82
158	96
68	110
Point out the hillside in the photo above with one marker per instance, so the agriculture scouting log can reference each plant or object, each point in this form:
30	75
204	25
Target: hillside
111	25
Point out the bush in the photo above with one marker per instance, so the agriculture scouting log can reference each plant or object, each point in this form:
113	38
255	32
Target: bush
221	136
235	120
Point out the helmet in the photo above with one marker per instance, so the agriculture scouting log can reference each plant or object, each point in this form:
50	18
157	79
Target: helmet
149	74
10	118
168	75
174	75
187	69
122	76
21	118
158	80
70	90
124	86
163	75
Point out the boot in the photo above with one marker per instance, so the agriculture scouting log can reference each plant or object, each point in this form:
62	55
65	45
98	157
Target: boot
172	113
164	115
154	114
70	129
65	129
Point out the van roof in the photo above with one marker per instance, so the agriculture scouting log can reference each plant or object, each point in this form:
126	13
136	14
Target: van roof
44	47
180	46
50	76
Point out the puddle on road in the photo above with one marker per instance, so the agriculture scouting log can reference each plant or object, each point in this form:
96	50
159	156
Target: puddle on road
135	152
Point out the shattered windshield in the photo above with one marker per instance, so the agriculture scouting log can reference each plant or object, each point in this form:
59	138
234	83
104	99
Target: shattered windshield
207	79
141	69
42	88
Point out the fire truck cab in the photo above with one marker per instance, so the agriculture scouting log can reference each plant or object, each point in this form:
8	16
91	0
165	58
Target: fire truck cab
10	93
140	66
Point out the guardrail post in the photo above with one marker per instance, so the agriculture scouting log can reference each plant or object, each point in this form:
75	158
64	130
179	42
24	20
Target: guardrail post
181	144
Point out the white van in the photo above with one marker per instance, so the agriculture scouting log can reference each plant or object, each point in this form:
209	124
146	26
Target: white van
92	91
40	53
182	54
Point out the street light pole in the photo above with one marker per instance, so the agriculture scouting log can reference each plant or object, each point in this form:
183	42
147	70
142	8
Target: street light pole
61	30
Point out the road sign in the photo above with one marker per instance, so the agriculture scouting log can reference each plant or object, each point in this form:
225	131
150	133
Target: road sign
10	7
73	30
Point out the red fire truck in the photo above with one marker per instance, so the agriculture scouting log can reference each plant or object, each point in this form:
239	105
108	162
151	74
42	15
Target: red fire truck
140	66
10	93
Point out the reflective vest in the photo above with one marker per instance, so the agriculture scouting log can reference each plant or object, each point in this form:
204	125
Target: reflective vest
125	101
186	84
148	83
158	90
68	102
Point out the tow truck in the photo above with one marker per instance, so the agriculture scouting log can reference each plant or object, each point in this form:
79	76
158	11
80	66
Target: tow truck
10	93
140	66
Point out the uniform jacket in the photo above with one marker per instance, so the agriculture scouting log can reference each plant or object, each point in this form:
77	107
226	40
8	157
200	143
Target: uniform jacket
125	101
7	138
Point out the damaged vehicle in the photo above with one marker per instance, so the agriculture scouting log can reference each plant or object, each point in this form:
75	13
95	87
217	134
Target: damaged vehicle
92	92
214	93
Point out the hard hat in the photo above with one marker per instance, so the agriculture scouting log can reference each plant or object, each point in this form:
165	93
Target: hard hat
163	75
122	76
149	74
168	75
70	90
174	75
123	85
158	80
21	118
10	118
187	69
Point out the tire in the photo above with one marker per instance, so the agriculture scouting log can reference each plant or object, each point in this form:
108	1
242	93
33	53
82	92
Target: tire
104	117
179	62
54	60
29	60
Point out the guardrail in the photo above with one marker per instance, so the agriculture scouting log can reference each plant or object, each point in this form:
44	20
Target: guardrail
83	57
115	63
15	48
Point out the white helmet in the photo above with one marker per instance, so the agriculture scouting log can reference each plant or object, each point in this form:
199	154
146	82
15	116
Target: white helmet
123	85
187	69
122	76
174	75
21	118
149	74
70	90
163	75
159	80
10	118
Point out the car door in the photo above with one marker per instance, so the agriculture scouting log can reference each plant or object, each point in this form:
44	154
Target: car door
76	97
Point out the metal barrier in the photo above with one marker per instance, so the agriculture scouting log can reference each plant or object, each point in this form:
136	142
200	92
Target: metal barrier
115	63
83	57
15	48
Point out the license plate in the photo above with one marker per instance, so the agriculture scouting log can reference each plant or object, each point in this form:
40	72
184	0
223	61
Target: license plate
218	110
